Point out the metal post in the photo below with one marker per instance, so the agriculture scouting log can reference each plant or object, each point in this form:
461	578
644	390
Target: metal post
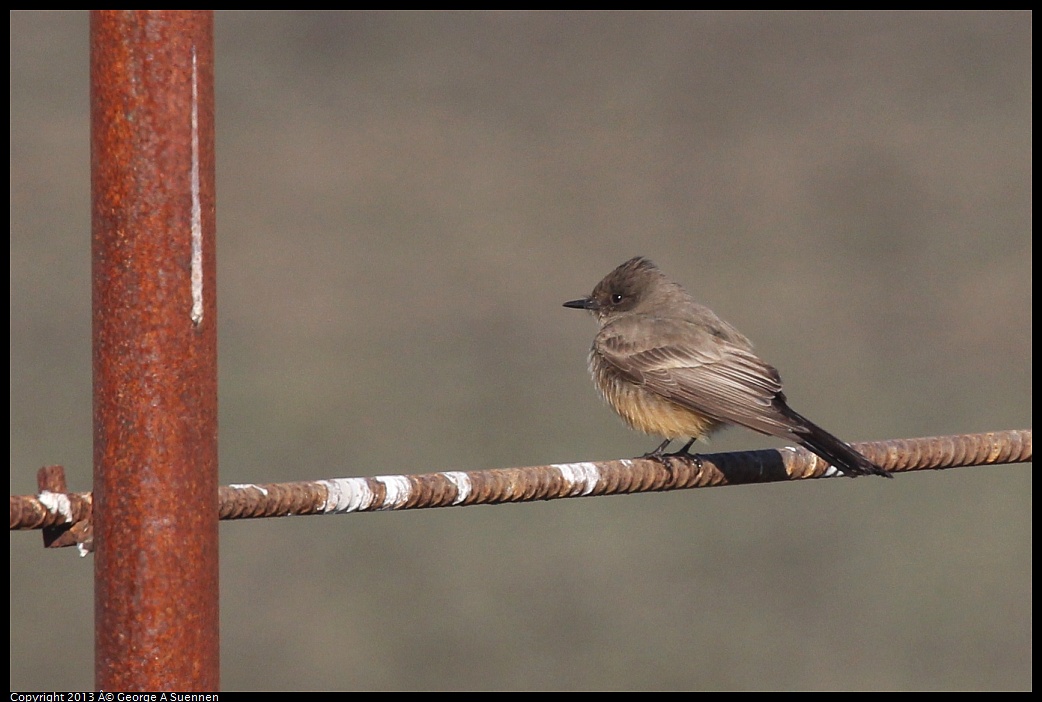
155	350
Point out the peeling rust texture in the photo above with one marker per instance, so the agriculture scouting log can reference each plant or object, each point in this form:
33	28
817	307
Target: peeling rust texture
155	370
502	485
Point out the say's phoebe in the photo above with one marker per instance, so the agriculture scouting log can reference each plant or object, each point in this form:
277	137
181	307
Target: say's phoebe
670	367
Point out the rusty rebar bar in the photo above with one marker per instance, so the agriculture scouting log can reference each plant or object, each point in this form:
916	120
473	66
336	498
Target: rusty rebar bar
482	487
155	350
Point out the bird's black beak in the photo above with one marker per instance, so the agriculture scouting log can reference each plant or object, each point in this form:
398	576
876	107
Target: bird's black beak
587	303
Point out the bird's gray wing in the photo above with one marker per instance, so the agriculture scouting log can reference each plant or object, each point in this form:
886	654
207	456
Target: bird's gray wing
694	366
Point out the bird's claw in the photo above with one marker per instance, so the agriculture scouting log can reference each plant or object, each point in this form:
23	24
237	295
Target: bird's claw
666	459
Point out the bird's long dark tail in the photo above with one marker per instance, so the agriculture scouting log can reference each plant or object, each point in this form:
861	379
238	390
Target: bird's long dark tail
837	452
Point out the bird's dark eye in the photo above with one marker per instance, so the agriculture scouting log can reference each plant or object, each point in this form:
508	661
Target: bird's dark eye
616	298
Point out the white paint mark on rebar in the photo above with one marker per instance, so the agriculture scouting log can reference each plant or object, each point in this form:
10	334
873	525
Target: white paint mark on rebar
831	471
581	477
399	489
197	207
347	495
56	503
247	486
463	485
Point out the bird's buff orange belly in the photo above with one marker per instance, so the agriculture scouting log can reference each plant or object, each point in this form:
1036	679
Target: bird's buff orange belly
645	411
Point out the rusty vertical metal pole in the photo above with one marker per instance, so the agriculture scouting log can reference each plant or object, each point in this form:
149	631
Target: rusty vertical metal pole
155	350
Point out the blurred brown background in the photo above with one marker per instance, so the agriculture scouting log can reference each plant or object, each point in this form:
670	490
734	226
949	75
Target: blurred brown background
404	202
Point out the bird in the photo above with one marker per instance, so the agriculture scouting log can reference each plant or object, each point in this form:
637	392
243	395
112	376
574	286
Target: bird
670	367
